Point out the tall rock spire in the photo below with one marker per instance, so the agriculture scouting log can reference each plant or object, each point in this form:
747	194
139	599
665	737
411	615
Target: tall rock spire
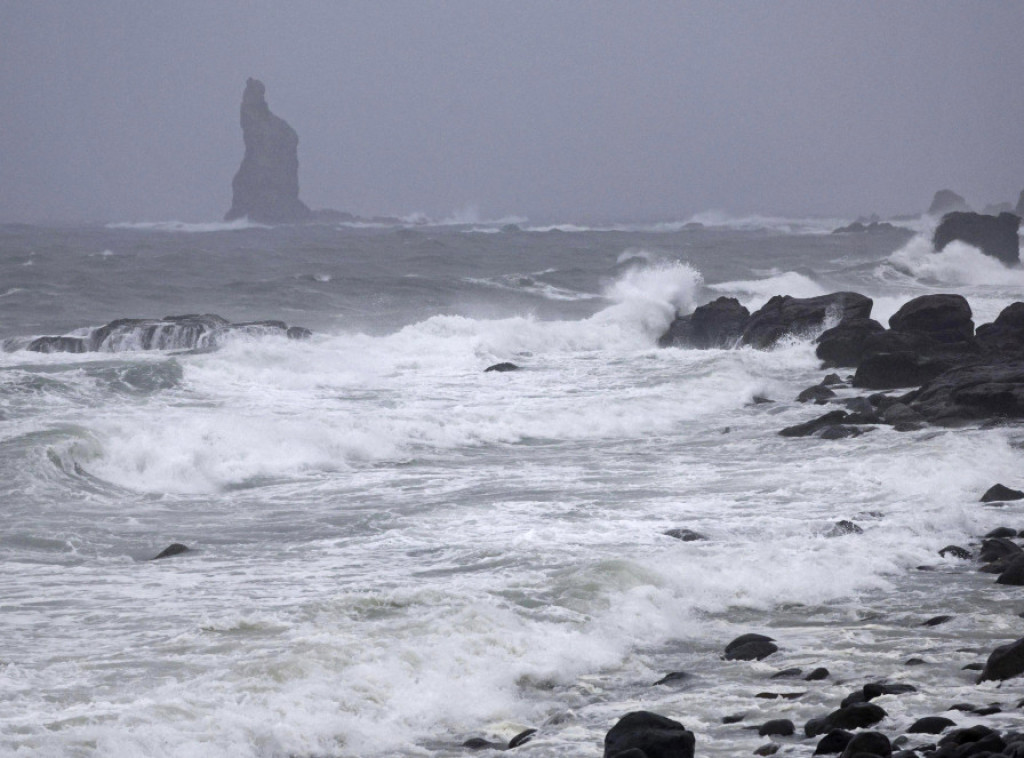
266	187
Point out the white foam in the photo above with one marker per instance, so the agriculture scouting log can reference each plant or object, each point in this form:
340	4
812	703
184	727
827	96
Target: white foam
958	264
756	292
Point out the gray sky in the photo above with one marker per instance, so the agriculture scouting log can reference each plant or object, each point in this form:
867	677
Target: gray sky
568	110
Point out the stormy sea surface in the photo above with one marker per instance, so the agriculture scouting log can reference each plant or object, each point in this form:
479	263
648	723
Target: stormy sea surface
392	551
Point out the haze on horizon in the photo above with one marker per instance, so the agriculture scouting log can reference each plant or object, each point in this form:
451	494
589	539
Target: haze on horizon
128	111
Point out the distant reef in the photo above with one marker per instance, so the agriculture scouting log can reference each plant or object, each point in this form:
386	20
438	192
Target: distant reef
266	187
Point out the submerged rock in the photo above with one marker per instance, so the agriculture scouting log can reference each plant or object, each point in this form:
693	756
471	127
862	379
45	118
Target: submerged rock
502	367
170	551
649	734
1000	493
266	187
995	236
1005	662
750	647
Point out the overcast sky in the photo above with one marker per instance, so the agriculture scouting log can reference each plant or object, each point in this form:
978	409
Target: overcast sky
568	110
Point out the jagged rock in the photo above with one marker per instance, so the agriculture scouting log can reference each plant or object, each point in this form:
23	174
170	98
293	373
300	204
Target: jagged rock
956	551
651	733
1005	335
904	368
944	201
266	187
843	528
717	324
1005	662
783	315
945	318
684	534
993	235
843	344
973	392
1001	493
998	549
873	227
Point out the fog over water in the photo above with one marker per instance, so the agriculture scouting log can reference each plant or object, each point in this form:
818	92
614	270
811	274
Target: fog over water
121	111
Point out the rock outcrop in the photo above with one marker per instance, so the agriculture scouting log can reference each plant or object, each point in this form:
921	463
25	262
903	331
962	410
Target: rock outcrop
266	187
993	235
784	315
946	201
719	324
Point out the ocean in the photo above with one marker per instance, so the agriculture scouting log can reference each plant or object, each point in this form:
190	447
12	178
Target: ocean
393	551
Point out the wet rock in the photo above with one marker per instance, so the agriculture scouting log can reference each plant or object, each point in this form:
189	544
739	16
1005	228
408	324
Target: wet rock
1005	335
1013	574
1005	662
843	344
734	718
995	236
749	647
814	426
776	727
655	735
1001	493
479	743
787	674
877	689
998	549
981	739
831	380
899	413
853	716
839	432
686	535
521	739
904	368
298	333
915	662
502	367
945	318
770	749
868	743
266	187
937	620
674	677
778	695
817	675
718	324
57	345
834	742
783	315
973	392
843	528
171	550
817	393
973	667
1001	531
931	725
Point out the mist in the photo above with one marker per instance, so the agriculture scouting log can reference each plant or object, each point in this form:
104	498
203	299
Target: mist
120	111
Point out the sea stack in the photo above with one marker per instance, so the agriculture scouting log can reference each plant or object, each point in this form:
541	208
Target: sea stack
266	187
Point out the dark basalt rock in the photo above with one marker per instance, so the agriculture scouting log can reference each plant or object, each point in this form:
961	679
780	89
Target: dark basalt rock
993	235
521	739
945	318
717	324
749	647
1001	493
868	743
787	674
818	393
956	551
770	749
902	368
945	201
1005	335
843	344
936	620
266	187
873	227
1013	574
776	727
479	743
778	695
814	425
816	675
734	718
997	549
877	689
502	367
1001	531
655	735
170	551
973	392
834	742
853	716
674	677
783	315
1005	662
685	535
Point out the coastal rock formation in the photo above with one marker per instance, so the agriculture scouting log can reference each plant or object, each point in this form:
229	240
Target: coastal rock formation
718	324
784	315
843	344
266	187
649	734
194	331
993	235
946	201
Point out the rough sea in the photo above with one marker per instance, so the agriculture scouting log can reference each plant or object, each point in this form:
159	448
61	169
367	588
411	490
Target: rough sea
393	551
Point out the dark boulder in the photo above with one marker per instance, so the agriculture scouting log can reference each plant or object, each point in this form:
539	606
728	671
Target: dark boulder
1005	335
834	742
944	201
749	647
993	235
784	315
818	674
674	677
1013	574
998	493
787	674
685	535
718	324
877	689
843	344
853	716
776	727
521	739
502	367
931	725
266	187
655	735
945	318
769	749
170	551
997	549
298	333
869	743
1001	531
882	371
818	393
1005	662
815	426
956	552
937	620
972	392
843	528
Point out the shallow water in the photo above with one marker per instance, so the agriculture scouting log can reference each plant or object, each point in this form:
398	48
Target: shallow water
393	551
